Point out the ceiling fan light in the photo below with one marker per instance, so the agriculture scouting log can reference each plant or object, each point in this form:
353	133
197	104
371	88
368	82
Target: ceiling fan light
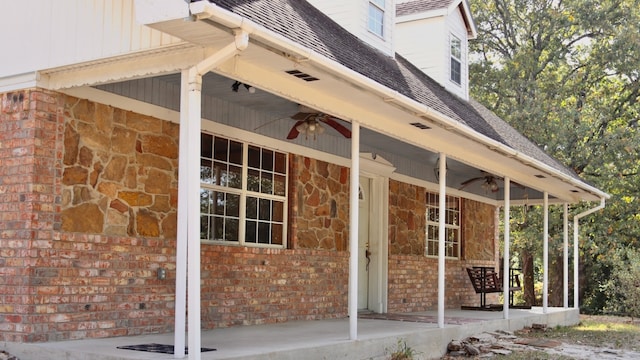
302	127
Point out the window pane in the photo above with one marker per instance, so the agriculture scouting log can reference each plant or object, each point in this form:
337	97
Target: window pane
252	208
281	163
217	228
233	205
276	234
204	227
204	201
267	160
253	180
254	157
206	145
231	229
279	185
456	76
219	175
278	211
251	231
267	183
375	22
235	152
218	204
265	209
206	171
220	149
264	233
235	177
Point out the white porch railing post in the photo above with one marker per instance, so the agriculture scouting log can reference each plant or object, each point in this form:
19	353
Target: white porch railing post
353	230
507	237
545	256
441	237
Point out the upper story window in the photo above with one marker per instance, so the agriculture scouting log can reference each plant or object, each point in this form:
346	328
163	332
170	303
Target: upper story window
242	192
375	22
456	60
451	225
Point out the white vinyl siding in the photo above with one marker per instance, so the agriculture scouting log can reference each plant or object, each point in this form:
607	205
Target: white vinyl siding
60	33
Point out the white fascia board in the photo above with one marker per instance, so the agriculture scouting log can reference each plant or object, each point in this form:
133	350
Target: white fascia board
18	82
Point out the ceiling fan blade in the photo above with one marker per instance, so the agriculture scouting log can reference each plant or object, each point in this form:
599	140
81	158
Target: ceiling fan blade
467	182
302	116
336	125
293	133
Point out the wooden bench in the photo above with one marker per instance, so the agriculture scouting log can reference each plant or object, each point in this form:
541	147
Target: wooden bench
486	280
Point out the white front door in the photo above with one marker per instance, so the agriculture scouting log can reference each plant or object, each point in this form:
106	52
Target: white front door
364	245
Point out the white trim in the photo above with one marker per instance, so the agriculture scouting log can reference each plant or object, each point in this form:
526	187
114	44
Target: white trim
19	82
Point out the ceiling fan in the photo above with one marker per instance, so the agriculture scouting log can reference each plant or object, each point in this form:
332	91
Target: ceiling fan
488	183
310	123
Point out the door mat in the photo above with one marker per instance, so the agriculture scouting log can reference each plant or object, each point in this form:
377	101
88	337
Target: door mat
158	348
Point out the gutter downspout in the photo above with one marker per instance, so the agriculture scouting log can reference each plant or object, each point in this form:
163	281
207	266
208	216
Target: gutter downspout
188	263
575	249
204	9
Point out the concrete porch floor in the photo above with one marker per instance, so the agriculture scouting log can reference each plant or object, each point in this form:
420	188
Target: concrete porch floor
323	339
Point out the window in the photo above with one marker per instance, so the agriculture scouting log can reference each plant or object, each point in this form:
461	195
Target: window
456	60
242	192
375	23
451	225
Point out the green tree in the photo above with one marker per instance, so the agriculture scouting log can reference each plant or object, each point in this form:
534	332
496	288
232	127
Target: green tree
566	75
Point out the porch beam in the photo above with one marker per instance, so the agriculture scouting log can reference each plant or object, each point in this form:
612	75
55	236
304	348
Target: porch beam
545	255
441	236
507	256
353	230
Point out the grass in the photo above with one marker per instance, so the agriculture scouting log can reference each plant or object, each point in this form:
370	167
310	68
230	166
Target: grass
597	331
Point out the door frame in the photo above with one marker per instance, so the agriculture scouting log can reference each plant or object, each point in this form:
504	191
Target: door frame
378	170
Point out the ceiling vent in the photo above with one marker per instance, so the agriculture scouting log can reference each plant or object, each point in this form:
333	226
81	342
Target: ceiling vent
540	176
420	126
300	75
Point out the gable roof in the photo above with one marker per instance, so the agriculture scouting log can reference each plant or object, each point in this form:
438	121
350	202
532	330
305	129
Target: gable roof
302	23
418	6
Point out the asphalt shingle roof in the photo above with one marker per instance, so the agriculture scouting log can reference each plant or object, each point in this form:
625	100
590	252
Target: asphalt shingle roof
302	23
418	6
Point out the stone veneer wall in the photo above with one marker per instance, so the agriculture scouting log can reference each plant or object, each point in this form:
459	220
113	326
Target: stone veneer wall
413	277
88	215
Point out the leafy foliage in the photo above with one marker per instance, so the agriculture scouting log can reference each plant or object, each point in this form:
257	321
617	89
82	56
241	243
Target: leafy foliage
566	74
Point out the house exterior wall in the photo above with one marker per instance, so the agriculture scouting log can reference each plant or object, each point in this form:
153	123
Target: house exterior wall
89	215
424	41
73	31
413	278
353	15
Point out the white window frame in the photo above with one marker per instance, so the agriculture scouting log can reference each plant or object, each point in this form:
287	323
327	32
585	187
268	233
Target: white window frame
452	225
244	194
373	25
455	59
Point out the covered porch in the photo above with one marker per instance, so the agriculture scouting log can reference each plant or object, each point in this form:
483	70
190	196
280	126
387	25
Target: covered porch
322	339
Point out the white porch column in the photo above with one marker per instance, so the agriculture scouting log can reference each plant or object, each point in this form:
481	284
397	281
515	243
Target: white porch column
507	239
189	185
576	255
565	255
545	255
181	237
193	212
441	236
353	230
